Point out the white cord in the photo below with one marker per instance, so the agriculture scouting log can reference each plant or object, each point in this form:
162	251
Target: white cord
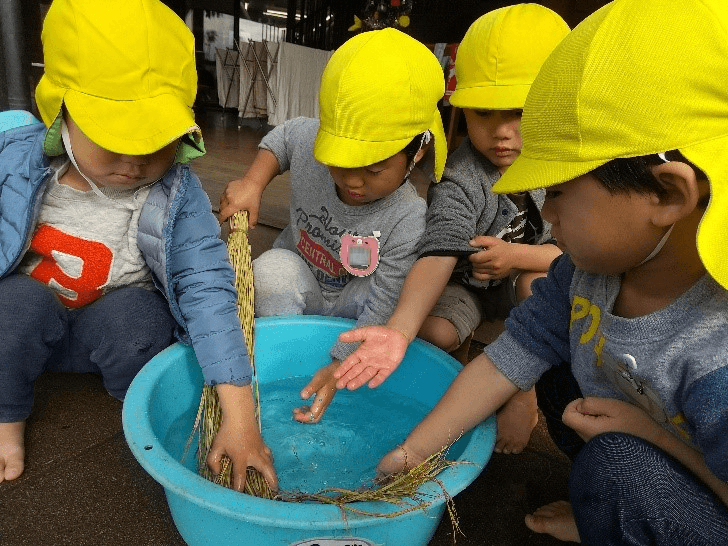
69	150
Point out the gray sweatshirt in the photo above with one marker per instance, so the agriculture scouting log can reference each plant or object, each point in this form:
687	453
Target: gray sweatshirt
462	205
318	219
672	363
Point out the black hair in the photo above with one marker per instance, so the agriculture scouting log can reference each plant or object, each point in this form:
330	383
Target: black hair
626	174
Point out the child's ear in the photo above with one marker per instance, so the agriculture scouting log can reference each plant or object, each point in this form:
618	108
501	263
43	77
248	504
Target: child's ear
679	181
421	153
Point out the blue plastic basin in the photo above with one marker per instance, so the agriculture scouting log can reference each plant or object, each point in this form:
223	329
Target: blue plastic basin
159	412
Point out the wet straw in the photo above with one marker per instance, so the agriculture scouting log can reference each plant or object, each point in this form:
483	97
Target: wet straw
209	414
400	489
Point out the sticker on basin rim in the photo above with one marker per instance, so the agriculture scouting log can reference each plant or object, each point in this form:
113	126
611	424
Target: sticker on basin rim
351	541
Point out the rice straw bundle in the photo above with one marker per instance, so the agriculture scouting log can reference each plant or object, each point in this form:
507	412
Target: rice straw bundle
209	414
391	489
394	489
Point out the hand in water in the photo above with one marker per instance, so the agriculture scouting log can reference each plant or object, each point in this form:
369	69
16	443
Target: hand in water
401	459
323	388
380	353
245	447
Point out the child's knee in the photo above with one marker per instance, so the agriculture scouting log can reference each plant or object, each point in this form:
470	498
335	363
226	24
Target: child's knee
522	284
274	270
35	299
609	462
440	332
283	284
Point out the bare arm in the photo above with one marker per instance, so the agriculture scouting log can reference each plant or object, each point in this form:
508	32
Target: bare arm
383	347
245	193
477	392
534	257
422	288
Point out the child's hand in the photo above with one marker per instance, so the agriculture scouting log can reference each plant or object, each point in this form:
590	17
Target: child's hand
590	417
400	459
323	387
380	353
241	194
495	261
239	438
245	193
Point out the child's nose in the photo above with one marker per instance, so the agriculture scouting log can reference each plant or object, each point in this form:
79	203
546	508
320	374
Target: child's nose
352	179
502	131
136	160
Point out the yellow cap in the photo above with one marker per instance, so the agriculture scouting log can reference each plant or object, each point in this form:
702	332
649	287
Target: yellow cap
378	91
501	54
125	70
635	78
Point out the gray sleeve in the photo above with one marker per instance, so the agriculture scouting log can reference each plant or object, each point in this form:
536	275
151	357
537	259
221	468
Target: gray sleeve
452	217
537	330
284	139
457	205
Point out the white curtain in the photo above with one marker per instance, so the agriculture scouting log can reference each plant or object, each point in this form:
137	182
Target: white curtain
295	82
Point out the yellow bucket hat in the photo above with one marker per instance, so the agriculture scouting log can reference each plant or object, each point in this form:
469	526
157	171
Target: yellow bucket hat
501	54
125	70
635	78
378	91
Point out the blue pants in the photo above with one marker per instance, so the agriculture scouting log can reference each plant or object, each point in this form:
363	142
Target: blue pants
624	490
114	336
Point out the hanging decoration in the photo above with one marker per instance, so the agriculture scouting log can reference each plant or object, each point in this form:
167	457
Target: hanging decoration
379	14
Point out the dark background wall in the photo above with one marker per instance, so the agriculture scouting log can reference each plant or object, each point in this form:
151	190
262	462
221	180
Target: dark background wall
431	21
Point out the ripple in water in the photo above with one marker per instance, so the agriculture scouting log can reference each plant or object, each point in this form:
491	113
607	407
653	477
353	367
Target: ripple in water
342	450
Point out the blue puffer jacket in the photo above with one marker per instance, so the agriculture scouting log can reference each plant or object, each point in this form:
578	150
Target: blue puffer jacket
178	237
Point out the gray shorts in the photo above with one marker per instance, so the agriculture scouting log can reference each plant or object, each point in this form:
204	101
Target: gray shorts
466	309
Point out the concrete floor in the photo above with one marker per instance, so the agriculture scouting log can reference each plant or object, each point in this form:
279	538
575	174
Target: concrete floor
82	485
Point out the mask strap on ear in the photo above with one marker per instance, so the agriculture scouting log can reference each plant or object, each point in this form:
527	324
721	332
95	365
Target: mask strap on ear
658	247
424	140
665	237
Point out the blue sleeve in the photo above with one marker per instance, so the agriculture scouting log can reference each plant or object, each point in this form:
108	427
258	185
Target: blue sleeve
204	285
537	331
706	408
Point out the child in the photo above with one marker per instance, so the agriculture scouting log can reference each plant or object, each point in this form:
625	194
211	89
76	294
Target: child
635	313
109	244
355	217
452	287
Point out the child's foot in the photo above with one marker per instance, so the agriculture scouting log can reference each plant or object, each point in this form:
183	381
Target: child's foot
12	450
555	519
516	420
